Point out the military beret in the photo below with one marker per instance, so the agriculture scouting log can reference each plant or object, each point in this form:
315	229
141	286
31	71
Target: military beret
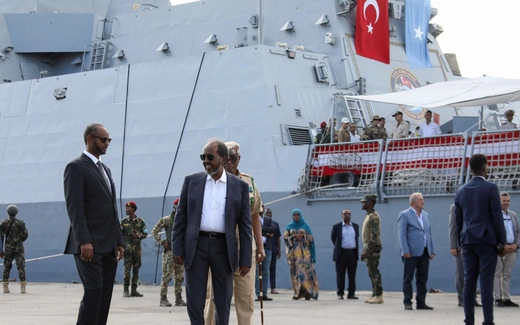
131	204
233	148
176	201
369	197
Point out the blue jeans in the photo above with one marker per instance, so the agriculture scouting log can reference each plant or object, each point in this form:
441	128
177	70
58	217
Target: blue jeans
266	263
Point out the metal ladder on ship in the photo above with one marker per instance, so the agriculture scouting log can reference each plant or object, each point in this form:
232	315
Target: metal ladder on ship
355	111
98	56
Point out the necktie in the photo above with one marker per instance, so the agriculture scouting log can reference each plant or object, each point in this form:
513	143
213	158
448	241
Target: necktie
100	166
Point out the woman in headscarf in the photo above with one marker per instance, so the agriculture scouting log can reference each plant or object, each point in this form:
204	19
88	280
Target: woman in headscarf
301	256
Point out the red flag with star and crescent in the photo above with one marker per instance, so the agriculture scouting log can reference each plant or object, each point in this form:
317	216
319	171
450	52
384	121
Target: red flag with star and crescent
372	31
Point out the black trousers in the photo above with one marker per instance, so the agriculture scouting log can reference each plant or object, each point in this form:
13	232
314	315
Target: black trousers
209	254
272	269
98	278
418	265
347	262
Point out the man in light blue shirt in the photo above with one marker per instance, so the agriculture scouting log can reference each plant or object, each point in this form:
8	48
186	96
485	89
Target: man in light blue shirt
506	263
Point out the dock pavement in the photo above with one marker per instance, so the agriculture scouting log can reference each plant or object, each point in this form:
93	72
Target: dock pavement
57	304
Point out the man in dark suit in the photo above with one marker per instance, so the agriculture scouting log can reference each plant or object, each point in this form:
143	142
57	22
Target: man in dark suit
275	250
268	230
94	234
480	228
456	251
212	204
417	249
345	236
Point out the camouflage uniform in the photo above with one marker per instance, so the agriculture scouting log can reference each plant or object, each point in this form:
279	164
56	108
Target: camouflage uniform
14	232
372	242
132	249
374	133
169	268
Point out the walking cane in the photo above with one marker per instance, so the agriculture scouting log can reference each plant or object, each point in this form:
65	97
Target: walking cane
261	293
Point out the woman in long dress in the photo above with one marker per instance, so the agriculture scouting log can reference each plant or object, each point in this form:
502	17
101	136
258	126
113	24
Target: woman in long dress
301	256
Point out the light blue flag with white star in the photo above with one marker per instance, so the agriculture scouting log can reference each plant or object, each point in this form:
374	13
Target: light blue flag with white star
417	16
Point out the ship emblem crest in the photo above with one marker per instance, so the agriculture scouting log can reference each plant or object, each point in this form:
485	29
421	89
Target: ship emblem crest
403	80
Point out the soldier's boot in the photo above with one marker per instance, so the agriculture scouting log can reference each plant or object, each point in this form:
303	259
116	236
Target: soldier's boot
368	300
164	302
179	301
377	300
23	287
6	287
136	293
126	294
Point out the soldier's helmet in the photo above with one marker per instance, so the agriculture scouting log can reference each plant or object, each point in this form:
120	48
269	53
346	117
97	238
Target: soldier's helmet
12	210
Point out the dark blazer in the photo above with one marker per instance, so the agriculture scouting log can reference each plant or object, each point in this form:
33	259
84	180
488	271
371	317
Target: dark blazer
478	213
91	208
336	237
268	228
237	212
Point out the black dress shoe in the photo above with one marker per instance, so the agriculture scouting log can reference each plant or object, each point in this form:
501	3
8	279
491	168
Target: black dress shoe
424	307
408	307
499	303
460	304
352	297
266	298
509	303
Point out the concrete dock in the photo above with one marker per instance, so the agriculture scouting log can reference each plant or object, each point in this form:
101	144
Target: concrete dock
57	304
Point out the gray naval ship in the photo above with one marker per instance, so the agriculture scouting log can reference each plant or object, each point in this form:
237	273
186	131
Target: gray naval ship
166	76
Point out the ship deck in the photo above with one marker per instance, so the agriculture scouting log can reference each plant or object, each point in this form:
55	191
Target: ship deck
57	303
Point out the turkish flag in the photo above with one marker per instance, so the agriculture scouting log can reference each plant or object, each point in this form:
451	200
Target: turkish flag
372	31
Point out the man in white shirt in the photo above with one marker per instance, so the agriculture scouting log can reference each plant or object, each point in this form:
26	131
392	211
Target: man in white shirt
212	205
509	125
429	128
354	137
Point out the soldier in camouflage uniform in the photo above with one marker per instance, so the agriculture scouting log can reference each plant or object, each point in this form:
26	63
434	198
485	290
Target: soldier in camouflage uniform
14	233
169	267
374	131
134	230
372	252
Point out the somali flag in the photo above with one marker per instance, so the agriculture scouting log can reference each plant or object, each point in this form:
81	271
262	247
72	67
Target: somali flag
417	16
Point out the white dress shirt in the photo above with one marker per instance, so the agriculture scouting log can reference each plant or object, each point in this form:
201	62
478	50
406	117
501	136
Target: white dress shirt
214	205
95	160
429	130
354	137
420	217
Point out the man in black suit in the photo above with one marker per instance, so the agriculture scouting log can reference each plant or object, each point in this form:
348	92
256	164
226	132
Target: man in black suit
268	230
344	236
94	234
480	229
212	204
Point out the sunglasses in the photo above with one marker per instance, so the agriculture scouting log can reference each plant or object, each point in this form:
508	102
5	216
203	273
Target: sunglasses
233	158
103	139
210	157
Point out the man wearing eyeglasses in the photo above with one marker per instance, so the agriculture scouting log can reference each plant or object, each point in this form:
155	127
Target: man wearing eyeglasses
212	206
94	234
243	287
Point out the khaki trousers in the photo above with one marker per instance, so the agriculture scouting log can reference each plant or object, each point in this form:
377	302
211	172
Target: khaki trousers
244	296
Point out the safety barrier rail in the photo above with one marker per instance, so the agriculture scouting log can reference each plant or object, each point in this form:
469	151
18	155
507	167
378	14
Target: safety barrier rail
399	167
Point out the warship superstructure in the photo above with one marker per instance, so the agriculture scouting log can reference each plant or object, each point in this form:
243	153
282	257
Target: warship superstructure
166	76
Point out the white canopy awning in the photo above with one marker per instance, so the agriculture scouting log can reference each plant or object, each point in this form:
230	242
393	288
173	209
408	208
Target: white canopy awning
459	93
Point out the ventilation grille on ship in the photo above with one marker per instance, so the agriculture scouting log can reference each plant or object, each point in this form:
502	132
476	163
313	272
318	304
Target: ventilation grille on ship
299	135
